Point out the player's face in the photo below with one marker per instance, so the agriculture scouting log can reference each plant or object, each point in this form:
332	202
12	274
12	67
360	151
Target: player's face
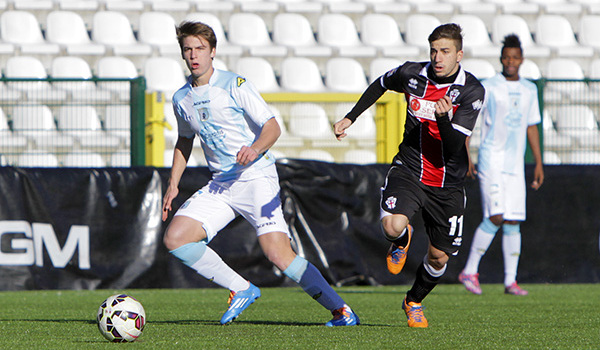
511	60
444	57
198	56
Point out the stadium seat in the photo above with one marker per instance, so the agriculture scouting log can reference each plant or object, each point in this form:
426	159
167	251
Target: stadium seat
120	160
382	31
172	133
157	29
37	159
116	67
480	68
316	154
343	74
551	158
286	139
477	42
338	31
36	122
164	74
67	28
309	120
582	157
249	30
70	67
360	156
9	141
363	128
530	70
294	31
259	72
82	123
565	69
83	160
589	27
113	30
382	65
224	46
594	74
22	28
117	121
579	122
418	27
552	139
31	68
555	32
300	74
505	24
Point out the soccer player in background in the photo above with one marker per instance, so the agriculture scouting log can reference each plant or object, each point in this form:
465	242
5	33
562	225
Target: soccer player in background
428	172
510	117
236	130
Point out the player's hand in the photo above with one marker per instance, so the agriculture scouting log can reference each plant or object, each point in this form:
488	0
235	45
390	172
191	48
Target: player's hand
340	127
472	170
538	177
443	105
171	193
246	155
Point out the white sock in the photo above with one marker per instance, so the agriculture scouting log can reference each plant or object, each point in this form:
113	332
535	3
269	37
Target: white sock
213	268
511	249
481	242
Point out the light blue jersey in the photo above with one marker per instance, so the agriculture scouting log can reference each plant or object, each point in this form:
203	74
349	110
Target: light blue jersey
510	108
226	114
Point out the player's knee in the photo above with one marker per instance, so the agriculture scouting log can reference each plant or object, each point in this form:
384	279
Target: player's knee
393	225
497	220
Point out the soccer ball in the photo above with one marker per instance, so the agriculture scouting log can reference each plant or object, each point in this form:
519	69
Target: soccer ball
121	318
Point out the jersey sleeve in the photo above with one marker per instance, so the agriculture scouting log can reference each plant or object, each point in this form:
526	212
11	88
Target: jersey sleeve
470	106
534	116
249	99
183	128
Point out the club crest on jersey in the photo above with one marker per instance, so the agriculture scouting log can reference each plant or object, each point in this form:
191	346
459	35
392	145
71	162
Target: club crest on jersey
203	114
240	81
391	202
454	94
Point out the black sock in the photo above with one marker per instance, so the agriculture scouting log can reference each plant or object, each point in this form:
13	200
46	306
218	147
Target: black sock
424	283
400	241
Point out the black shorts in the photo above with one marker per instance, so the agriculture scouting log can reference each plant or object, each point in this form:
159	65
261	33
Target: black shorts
443	207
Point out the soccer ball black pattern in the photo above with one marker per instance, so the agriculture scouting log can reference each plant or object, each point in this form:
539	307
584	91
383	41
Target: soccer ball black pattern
121	318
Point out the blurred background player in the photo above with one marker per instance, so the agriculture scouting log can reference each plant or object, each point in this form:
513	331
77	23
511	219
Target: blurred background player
510	117
429	170
236	130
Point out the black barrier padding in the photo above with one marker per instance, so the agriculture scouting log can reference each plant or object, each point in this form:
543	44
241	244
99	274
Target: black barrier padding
332	211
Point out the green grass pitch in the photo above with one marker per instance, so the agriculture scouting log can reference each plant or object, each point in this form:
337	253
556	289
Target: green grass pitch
565	316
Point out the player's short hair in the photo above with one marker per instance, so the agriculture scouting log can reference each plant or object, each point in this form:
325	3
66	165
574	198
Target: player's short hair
512	41
199	29
450	31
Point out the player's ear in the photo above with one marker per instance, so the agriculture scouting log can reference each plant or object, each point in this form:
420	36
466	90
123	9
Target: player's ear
459	56
213	53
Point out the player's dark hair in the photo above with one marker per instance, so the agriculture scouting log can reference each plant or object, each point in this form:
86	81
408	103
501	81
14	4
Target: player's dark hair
512	41
450	31
199	29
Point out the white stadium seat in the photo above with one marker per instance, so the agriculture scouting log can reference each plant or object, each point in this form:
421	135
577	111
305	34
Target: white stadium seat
67	28
23	29
343	74
294	31
37	123
480	68
113	29
339	32
382	31
555	31
301	74
164	74
31	68
158	30
505	24
259	72
310	120
70	67
249	30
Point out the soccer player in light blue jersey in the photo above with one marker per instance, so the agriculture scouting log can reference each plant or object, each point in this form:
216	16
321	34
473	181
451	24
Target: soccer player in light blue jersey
236	130
510	117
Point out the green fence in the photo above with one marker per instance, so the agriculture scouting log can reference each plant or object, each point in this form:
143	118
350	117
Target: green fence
102	122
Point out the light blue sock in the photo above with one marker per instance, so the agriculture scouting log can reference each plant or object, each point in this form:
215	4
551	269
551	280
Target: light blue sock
313	283
190	253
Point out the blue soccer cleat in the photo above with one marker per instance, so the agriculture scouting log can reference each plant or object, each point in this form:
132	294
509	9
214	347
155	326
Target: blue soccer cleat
343	316
238	302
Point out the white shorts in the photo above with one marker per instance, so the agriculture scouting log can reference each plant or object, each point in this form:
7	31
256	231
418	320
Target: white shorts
503	193
256	198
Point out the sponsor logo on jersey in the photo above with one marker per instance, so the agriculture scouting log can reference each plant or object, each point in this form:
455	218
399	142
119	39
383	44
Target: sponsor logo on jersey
391	202
240	81
477	105
412	83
